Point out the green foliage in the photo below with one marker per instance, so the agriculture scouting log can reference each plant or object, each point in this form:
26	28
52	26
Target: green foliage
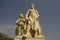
5	37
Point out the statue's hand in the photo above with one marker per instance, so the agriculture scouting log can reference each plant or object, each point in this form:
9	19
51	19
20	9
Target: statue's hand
26	18
18	24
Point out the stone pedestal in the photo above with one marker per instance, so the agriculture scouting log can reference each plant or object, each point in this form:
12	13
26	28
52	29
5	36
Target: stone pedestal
32	38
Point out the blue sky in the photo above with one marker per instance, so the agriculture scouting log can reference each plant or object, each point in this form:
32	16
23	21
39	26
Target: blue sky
49	11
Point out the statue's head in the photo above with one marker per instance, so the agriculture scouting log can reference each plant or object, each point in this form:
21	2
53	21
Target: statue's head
32	6
21	16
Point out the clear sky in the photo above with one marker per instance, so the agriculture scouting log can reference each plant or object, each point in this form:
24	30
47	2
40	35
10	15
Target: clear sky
49	11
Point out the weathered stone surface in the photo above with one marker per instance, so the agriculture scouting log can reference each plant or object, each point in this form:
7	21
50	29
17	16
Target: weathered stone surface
29	27
29	38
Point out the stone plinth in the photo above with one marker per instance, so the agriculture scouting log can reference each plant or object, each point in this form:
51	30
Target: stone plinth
33	38
29	39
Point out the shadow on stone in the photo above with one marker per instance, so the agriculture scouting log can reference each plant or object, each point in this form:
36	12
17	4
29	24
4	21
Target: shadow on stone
32	32
23	38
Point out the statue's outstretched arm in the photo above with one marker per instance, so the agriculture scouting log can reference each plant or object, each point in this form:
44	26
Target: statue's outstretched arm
27	14
37	13
17	21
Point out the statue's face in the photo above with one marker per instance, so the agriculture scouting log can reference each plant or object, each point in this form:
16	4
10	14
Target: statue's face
32	6
21	15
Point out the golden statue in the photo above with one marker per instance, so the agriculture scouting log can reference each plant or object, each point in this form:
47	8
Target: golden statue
33	22
20	30
29	26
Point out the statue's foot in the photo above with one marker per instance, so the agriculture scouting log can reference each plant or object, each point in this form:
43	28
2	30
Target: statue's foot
27	36
39	36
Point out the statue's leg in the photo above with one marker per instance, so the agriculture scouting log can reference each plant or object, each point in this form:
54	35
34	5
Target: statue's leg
28	33
19	30
39	31
36	33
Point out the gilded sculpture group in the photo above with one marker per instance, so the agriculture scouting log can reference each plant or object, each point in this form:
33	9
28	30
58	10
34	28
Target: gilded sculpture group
29	26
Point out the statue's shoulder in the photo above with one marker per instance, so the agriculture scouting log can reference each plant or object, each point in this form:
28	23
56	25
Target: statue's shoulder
29	9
